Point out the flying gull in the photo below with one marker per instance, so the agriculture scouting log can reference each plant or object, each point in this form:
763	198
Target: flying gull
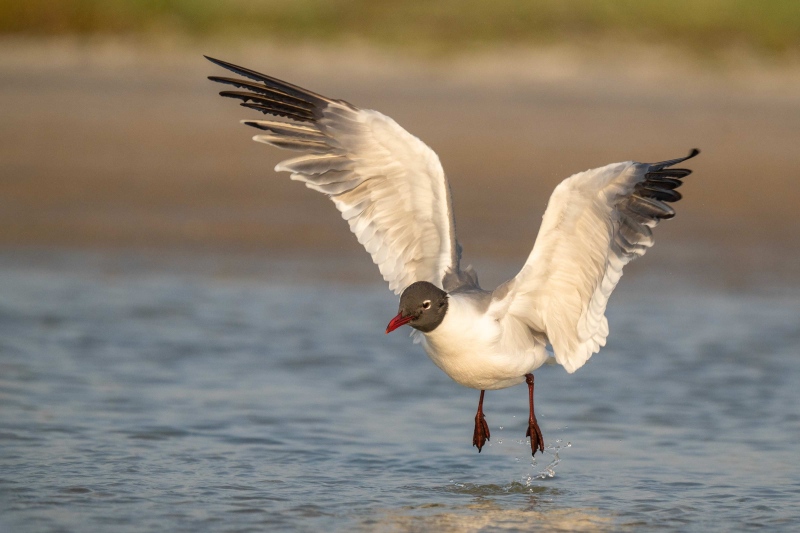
392	190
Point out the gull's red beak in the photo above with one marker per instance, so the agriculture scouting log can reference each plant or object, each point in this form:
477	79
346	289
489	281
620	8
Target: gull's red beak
398	321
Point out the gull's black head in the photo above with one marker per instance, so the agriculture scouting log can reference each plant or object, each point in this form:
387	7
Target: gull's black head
422	306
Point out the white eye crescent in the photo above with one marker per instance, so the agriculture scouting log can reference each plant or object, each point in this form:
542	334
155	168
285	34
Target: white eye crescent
426	304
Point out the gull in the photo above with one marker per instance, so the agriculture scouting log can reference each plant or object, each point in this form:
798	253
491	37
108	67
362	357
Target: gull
391	189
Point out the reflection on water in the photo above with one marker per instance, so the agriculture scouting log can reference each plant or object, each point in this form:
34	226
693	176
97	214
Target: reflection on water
158	401
485	514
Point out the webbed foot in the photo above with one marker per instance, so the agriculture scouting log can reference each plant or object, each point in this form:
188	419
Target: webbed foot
481	434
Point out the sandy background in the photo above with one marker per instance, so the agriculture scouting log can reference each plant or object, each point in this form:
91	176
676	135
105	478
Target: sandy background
120	146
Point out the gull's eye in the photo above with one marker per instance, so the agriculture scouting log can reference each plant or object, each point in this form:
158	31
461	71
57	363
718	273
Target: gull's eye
426	304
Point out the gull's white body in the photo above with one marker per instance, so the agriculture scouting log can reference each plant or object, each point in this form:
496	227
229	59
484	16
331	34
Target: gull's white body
392	190
479	351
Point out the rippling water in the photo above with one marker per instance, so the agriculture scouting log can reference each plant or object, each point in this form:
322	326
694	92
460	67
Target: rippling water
161	402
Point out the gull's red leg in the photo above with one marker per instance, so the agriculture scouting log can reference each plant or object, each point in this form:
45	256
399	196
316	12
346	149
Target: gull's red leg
481	434
537	442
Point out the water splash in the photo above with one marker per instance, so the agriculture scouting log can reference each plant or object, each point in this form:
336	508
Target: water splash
535	471
549	470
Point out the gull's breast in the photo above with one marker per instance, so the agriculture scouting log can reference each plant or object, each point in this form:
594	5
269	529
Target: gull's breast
479	352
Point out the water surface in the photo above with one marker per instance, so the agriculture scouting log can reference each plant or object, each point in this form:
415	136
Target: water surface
156	401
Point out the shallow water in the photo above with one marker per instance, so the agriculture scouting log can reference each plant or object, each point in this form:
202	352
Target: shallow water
155	401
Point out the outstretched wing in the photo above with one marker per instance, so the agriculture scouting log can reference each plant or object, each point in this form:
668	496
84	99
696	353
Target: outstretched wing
388	185
596	222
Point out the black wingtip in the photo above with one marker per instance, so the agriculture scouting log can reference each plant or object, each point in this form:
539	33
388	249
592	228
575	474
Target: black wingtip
233	68
692	153
666	164
274	83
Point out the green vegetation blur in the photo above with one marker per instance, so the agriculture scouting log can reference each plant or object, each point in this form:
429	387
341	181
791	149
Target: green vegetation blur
767	27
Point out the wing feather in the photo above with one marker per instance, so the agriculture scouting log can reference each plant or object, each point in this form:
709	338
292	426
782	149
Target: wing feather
596	222
387	184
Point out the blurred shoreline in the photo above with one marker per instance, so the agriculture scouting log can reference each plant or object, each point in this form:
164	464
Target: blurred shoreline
703	28
123	145
645	65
